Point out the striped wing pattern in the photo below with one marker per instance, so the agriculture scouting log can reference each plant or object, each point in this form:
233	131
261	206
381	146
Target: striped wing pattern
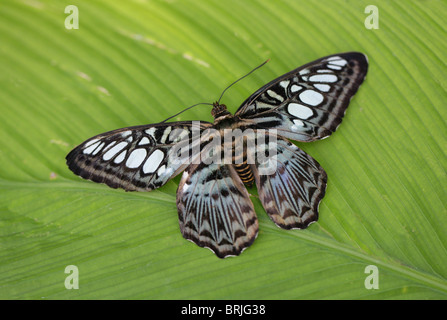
139	158
291	195
215	210
309	102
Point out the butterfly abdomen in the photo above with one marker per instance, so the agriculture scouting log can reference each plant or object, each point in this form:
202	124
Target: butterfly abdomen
245	173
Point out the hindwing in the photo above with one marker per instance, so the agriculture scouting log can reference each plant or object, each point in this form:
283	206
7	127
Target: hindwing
292	190
215	210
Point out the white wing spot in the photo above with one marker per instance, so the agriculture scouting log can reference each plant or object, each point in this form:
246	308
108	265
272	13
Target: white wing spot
311	97
136	158
151	132
161	170
334	58
334	67
91	145
300	111
91	142
284	84
110	145
153	161
295	88
165	134
273	94
112	152
323	78
144	141
126	133
297	125
99	148
120	157
304	71
322	87
340	62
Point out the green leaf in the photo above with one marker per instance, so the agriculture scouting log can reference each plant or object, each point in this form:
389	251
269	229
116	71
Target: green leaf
138	62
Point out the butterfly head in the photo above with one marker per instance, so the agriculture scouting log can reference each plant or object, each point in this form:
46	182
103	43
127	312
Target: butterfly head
219	111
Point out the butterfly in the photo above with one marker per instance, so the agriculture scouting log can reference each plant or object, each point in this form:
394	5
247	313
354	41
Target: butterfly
214	206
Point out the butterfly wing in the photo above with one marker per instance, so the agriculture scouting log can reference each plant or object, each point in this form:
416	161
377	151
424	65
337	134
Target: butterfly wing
139	158
215	210
293	188
309	102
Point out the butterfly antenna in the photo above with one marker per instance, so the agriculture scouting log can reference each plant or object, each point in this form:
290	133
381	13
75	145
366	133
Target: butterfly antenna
175	115
242	78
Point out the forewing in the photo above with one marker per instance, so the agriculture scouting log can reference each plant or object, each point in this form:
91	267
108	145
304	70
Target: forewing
292	191
139	158
307	103
215	210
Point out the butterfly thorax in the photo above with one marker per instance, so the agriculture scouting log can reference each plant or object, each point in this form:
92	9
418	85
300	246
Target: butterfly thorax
224	120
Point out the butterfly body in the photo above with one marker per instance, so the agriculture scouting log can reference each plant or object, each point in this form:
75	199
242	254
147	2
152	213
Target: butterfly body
219	158
224	120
